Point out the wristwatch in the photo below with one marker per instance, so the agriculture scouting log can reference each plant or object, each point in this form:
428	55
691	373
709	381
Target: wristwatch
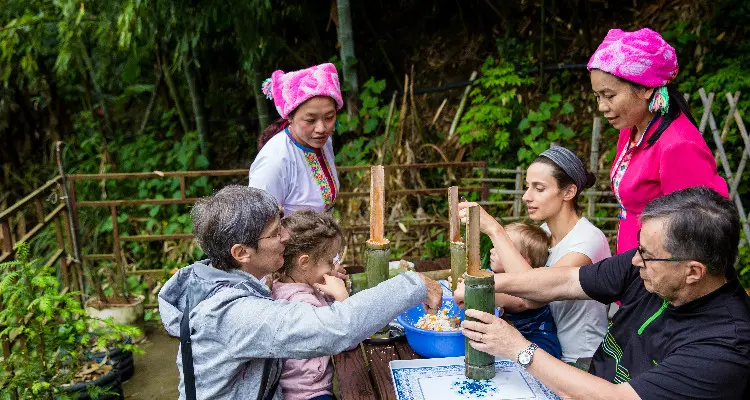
527	355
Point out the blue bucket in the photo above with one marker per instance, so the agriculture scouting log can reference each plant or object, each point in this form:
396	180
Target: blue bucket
433	344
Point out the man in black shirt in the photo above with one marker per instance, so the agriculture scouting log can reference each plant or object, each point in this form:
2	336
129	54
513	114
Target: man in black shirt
683	330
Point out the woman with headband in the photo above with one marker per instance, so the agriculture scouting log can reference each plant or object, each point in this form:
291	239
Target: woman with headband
554	180
296	161
660	149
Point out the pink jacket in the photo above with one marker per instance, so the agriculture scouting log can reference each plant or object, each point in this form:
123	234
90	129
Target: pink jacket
304	379
679	159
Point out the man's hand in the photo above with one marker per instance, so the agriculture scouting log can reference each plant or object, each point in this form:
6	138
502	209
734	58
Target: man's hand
492	335
333	287
487	224
458	294
434	295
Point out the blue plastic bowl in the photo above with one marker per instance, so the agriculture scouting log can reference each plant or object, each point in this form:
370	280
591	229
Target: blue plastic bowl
433	344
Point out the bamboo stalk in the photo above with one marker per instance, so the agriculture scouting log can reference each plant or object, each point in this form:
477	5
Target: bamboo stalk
480	295
455	227
458	262
377	195
378	250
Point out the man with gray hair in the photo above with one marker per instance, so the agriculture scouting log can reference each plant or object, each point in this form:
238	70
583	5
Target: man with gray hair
683	330
234	336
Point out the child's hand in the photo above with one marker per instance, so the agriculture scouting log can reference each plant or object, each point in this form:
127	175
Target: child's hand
495	263
333	287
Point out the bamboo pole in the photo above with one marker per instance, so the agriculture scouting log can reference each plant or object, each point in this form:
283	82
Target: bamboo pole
457	246
378	249
480	295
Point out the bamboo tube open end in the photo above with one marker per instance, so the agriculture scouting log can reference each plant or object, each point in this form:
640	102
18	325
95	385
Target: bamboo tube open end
378	243
482	273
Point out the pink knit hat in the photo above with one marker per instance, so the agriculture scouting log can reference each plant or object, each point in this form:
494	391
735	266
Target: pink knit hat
642	57
289	90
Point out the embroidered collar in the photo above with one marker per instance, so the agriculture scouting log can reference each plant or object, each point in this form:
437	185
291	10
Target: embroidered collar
645	132
296	143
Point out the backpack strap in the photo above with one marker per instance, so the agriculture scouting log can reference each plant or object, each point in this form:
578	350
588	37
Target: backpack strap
188	372
264	381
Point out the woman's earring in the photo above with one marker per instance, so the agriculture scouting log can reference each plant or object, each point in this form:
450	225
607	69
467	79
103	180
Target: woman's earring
659	101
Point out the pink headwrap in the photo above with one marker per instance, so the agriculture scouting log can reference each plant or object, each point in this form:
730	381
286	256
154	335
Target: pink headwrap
289	90
642	57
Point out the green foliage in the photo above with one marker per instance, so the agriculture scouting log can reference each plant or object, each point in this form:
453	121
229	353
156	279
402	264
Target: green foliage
493	107
539	129
48	329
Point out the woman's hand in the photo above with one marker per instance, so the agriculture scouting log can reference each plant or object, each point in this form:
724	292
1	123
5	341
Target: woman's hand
492	335
339	271
458	294
334	287
487	224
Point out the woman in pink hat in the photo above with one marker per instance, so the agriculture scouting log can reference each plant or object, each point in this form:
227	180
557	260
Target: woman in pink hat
660	149
296	161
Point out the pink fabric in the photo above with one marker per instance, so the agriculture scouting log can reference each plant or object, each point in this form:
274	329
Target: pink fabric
679	159
304	379
289	90
641	57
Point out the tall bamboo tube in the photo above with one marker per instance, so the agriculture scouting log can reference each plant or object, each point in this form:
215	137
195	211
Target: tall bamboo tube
480	295
457	246
378	250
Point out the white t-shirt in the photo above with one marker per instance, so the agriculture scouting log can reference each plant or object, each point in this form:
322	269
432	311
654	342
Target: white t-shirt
581	324
296	175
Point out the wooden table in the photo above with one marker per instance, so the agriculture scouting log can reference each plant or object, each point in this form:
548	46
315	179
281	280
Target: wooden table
370	378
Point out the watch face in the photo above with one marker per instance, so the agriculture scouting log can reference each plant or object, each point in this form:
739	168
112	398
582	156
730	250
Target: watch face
524	358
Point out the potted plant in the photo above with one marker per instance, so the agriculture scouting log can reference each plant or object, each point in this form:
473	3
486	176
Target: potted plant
49	331
118	304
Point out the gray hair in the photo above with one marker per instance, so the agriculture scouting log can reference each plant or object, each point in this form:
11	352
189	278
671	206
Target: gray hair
234	215
700	225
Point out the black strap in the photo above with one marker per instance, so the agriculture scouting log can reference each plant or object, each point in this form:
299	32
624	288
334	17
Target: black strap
264	381
188	371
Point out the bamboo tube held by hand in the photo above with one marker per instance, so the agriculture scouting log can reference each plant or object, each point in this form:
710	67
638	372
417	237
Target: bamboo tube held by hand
457	245
378	250
480	295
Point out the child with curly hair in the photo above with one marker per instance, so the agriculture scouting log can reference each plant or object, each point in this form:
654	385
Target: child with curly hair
308	275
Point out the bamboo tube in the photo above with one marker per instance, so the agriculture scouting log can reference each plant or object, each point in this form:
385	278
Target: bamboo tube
377	194
378	250
480	295
457	246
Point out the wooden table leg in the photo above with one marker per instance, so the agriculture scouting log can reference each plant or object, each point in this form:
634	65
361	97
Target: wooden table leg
353	376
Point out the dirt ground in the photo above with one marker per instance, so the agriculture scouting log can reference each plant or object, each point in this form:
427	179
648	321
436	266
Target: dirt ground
156	375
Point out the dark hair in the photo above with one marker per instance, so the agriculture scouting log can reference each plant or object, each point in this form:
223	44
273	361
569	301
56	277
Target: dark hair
564	180
532	242
311	233
271	131
701	225
234	215
677	105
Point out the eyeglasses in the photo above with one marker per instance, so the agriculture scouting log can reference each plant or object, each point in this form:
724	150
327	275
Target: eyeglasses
277	236
644	259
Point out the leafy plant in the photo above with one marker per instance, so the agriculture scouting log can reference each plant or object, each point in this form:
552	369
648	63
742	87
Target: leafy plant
48	329
539	129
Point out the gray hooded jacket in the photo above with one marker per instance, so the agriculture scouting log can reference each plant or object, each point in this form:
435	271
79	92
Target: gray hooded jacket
236	325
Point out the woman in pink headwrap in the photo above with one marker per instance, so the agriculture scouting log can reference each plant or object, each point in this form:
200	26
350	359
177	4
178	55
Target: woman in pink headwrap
296	161
660	149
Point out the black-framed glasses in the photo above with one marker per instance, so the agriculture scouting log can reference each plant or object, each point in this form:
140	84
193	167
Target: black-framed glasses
277	236
644	259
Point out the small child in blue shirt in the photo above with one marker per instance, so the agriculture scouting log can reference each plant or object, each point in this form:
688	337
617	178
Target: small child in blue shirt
535	324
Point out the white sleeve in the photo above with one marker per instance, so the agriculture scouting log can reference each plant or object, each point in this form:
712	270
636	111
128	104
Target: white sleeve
269	172
591	242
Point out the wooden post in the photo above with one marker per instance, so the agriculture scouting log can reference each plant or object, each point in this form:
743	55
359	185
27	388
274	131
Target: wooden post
378	250
594	162
457	245
480	295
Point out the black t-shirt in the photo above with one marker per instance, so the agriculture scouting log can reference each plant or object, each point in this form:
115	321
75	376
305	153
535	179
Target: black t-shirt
698	350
